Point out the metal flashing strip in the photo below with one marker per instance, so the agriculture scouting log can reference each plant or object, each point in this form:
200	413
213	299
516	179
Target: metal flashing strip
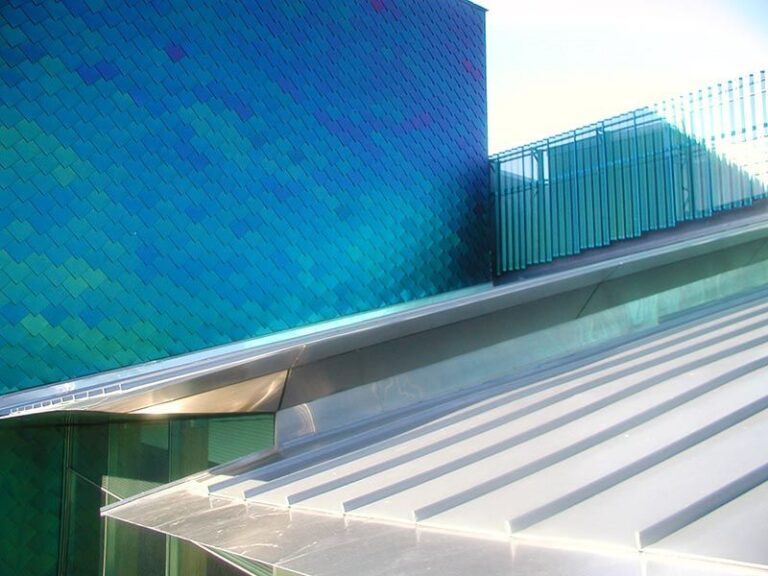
558	474
234	363
315	544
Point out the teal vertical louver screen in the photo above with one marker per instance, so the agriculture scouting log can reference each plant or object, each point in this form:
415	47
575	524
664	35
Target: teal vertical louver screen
682	159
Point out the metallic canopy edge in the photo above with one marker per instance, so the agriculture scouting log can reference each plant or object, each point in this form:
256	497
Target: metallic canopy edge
250	359
323	545
572	463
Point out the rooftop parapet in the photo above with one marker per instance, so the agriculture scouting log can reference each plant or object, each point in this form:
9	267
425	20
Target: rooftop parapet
682	159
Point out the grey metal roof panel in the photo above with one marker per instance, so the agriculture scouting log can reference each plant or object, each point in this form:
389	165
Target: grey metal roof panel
656	447
736	530
319	544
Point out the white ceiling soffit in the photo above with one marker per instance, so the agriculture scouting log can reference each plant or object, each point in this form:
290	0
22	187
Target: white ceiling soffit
645	459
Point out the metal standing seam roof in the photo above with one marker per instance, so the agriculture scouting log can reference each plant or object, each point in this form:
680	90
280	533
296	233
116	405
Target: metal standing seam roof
656	446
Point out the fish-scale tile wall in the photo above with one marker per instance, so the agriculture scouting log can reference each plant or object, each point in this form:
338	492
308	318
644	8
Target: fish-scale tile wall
178	175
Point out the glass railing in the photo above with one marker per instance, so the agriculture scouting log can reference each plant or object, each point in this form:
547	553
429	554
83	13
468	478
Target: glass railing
681	159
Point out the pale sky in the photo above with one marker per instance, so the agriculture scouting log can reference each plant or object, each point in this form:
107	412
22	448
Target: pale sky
554	65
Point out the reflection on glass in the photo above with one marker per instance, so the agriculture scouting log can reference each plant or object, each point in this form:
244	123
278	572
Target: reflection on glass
60	470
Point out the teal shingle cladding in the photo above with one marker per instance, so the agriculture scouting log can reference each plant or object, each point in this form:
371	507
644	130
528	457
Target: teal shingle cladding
178	175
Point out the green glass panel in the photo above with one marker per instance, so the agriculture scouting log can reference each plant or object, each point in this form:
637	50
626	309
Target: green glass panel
90	447
231	438
138	457
138	460
85	477
133	551
62	468
84	526
30	498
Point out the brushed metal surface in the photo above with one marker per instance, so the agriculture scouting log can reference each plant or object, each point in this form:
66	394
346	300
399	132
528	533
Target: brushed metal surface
260	394
737	530
323	545
447	359
555	471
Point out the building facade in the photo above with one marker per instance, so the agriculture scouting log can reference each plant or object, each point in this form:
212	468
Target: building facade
179	175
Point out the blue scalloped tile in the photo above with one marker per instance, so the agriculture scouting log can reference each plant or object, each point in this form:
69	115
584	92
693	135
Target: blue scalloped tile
183	175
